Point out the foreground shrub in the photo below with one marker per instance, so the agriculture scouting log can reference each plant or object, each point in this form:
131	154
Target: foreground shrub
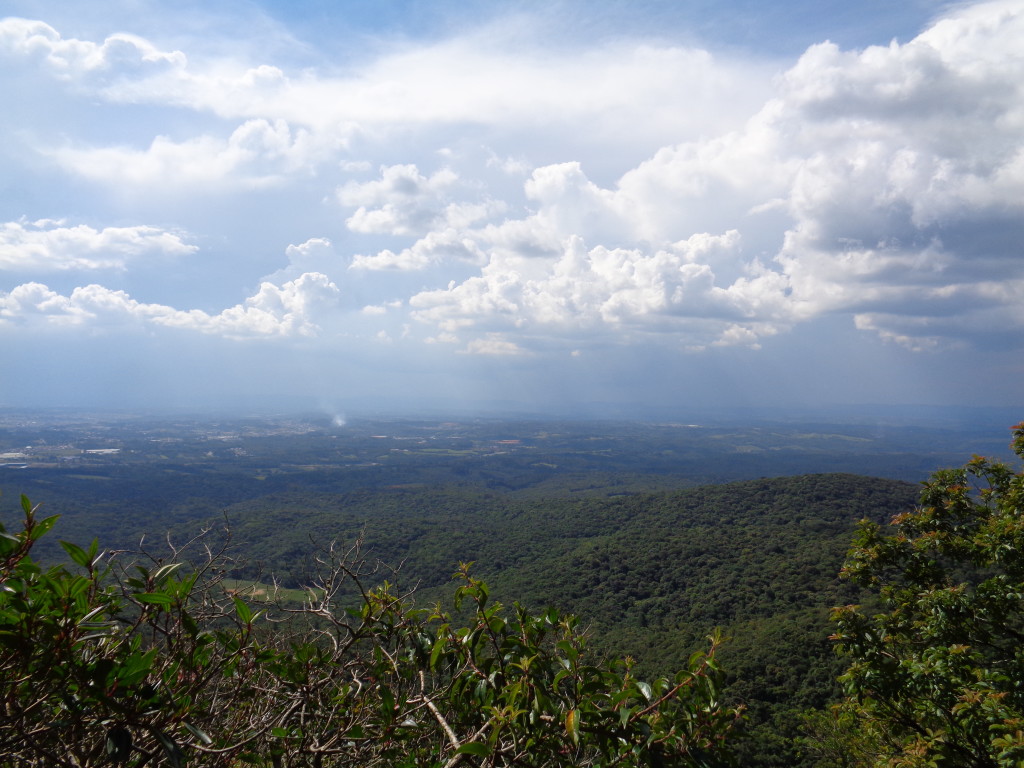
133	659
936	674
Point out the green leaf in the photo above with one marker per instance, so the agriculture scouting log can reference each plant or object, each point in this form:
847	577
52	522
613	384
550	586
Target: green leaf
244	611
474	748
190	624
624	714
567	648
164	571
387	703
94	635
43	526
175	755
481	691
76	553
85	620
204	739
155	598
437	651
135	667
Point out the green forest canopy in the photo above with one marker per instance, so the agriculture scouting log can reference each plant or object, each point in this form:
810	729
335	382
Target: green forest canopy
652	575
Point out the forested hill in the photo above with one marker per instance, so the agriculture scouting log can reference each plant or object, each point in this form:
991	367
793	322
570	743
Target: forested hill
652	574
615	526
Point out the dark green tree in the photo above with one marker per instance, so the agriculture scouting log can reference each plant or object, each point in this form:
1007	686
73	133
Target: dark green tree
936	675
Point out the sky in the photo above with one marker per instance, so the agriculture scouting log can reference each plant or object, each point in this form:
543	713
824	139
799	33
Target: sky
560	207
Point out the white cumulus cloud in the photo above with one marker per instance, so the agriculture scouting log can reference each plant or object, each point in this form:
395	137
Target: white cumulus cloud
911	186
530	201
274	311
257	153
401	202
613	292
885	183
71	58
436	247
49	246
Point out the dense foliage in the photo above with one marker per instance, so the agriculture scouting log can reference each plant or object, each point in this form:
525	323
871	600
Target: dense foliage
128	659
936	674
162	655
653	574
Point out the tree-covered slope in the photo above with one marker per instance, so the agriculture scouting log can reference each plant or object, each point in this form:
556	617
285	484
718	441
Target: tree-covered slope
651	574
